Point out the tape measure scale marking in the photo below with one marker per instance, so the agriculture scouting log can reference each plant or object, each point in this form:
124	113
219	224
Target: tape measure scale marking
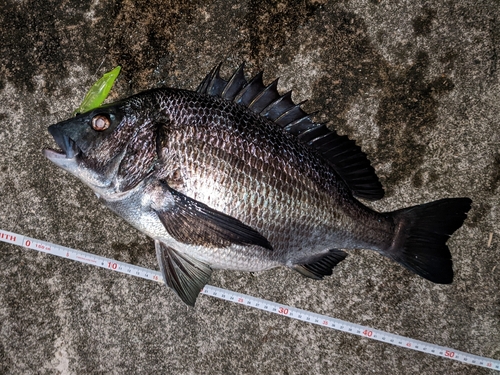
81	256
254	302
352	328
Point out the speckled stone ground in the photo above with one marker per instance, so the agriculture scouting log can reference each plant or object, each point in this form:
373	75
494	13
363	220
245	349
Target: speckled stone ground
416	83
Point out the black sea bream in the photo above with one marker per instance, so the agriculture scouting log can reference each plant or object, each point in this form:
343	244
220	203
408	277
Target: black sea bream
236	176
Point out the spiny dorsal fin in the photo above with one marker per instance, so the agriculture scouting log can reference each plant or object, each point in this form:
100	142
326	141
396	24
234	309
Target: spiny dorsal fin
341	153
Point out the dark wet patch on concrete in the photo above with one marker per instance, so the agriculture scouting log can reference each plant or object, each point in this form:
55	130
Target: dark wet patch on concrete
132	252
422	24
150	45
406	116
495	174
24	316
494	31
40	33
408	101
354	66
272	25
477	215
419	181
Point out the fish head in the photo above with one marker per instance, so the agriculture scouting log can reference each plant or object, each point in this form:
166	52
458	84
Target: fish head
108	148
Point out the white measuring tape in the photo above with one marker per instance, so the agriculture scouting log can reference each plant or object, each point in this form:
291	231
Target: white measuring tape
261	304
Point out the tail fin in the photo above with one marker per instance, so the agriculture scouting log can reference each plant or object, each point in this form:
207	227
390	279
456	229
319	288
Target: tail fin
421	235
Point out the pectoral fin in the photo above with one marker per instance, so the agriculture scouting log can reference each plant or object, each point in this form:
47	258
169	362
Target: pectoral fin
185	275
194	223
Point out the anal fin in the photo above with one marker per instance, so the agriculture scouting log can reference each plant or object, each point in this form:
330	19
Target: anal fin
321	265
185	275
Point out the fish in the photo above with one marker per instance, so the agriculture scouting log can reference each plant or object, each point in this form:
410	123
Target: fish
236	176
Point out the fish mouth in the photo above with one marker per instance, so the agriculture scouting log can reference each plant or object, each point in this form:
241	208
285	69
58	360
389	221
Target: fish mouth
69	148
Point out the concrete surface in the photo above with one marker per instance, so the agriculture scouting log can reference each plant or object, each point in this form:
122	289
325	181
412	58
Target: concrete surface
416	83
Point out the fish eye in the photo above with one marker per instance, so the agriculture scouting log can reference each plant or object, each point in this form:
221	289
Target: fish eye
100	122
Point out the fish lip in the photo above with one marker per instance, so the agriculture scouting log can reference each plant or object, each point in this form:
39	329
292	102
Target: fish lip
68	146
52	154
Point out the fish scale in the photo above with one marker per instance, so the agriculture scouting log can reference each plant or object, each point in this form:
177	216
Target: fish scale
202	185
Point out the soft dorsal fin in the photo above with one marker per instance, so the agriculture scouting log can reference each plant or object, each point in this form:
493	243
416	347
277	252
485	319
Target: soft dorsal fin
341	153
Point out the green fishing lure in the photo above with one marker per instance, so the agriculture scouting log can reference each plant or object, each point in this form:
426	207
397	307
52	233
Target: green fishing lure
99	91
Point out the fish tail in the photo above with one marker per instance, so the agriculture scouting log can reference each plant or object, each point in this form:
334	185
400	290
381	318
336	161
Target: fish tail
421	234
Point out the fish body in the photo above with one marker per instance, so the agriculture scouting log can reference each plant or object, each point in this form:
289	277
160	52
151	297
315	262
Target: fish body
236	176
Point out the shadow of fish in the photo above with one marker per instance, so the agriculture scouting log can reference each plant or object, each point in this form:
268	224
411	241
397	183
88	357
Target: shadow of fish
236	176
